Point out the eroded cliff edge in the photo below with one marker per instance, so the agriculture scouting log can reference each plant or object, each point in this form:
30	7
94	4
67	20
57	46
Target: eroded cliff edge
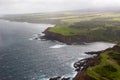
71	39
70	34
105	66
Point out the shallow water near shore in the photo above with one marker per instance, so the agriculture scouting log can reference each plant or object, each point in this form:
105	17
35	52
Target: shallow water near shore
22	58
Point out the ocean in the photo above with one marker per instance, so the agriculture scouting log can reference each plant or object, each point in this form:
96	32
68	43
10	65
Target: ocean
22	58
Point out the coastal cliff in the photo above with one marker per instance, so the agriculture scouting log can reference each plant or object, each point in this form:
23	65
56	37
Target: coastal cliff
72	39
105	66
71	34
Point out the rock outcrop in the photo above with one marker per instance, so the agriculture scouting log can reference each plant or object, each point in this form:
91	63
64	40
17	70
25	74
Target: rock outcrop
85	63
82	65
60	78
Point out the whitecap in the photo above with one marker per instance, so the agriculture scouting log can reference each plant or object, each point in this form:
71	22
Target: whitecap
58	46
30	39
37	37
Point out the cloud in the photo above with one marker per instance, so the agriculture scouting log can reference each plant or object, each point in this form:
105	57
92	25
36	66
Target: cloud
26	6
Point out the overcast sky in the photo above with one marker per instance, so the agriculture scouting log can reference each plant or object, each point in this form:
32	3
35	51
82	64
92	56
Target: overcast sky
32	6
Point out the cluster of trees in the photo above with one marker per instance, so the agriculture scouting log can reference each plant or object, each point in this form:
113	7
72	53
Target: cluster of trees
100	30
96	23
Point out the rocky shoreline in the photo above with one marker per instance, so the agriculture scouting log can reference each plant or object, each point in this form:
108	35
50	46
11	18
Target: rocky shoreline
81	65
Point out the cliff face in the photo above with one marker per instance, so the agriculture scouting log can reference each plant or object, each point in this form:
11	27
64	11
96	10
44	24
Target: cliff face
65	39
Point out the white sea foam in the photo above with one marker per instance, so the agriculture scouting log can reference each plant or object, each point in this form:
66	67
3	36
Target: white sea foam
36	37
71	75
58	46
42	79
30	39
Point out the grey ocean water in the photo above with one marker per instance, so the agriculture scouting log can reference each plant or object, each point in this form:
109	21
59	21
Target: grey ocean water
24	59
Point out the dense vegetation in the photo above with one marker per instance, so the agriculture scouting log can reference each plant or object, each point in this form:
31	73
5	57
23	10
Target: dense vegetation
94	30
109	66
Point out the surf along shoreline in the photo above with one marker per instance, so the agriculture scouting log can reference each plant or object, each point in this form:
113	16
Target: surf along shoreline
81	65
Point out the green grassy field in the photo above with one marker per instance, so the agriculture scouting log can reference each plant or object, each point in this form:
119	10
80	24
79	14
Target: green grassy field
108	68
66	30
97	31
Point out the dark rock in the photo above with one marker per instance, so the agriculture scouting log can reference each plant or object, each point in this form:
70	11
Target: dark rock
91	53
65	78
55	78
84	64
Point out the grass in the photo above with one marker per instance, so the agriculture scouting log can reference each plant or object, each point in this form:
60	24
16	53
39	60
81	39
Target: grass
64	17
94	26
88	17
108	68
65	30
116	19
90	30
74	20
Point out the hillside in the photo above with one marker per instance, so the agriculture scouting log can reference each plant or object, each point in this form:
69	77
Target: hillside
107	66
99	29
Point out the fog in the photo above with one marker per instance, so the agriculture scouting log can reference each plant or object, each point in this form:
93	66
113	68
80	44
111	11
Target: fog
33	6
